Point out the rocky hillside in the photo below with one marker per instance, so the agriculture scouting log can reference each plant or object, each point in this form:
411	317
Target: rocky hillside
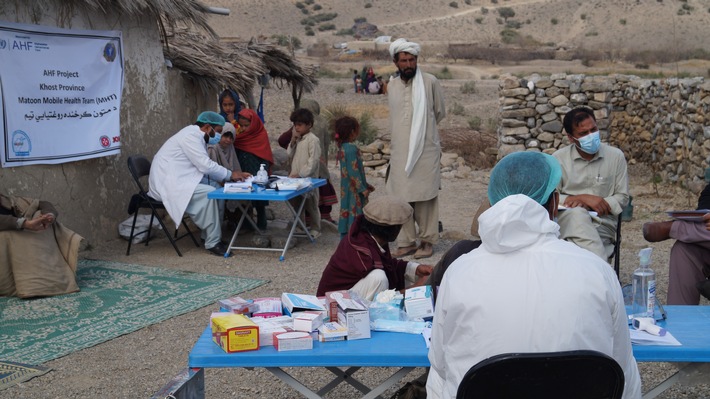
608	25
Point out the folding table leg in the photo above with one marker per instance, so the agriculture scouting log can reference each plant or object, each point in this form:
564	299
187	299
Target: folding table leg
296	221
395	378
293	383
344	376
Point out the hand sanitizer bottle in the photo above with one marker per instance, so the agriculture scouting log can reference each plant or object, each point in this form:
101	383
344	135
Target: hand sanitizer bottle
262	176
643	287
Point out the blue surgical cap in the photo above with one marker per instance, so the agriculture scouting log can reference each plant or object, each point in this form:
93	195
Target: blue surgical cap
534	174
211	118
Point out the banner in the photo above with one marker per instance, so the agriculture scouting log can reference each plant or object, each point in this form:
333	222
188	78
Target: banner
60	94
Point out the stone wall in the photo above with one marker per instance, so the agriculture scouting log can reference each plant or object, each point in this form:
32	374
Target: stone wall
661	123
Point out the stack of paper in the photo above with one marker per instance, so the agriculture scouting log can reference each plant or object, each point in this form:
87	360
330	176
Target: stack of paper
292	183
238	187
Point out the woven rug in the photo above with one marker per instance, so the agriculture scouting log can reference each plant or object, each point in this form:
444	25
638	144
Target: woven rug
115	299
12	373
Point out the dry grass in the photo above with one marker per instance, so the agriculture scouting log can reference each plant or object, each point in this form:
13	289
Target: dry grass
471	145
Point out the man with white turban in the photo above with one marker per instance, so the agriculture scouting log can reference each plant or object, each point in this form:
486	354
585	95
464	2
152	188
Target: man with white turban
524	289
416	103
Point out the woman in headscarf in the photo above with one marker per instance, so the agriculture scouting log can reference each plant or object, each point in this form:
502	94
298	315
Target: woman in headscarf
253	149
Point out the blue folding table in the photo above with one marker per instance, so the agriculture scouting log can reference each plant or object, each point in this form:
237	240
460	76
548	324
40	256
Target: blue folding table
689	324
260	194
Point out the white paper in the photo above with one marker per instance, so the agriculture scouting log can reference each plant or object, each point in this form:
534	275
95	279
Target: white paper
426	333
639	337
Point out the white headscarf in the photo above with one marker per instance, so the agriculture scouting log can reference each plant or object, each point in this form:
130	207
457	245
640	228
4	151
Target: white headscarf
419	105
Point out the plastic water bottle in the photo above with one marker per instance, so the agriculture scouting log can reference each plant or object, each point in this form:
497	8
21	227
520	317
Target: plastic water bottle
262	177
643	287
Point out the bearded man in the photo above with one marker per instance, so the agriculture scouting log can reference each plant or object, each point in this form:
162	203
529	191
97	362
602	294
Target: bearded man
416	103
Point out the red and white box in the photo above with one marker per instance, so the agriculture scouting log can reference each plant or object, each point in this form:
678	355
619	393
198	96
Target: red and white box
267	307
292	341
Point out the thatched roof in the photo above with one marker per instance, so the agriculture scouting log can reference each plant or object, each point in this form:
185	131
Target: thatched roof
191	13
214	65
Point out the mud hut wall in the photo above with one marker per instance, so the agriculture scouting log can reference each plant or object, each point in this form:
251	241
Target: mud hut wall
92	195
661	123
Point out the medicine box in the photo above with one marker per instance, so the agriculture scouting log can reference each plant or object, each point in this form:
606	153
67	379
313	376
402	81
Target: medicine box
355	317
267	307
235	333
419	302
236	305
300	302
331	331
331	298
292	341
307	321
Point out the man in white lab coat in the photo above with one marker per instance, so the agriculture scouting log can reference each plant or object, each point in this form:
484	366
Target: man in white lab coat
175	176
524	289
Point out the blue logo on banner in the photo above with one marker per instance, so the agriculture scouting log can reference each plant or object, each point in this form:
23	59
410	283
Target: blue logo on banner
110	52
3	44
21	144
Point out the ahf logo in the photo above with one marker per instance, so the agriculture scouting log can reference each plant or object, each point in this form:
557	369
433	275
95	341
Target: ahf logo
3	44
21	144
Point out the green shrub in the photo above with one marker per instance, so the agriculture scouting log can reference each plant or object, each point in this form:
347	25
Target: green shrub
583	16
513	25
309	2
468	87
360	20
457	109
304	10
479	20
484	10
345	32
506	12
468	2
340	89
368	5
326	27
444	73
592	33
309	32
300	5
494	1
622	21
454	4
509	36
554	21
474	123
317	7
284	40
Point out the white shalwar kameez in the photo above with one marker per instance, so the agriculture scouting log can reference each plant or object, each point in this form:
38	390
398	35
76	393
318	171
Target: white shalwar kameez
525	290
174	179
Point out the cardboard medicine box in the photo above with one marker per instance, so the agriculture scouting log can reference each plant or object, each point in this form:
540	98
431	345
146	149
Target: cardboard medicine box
331	302
300	302
331	331
235	333
292	341
307	321
419	302
236	304
355	317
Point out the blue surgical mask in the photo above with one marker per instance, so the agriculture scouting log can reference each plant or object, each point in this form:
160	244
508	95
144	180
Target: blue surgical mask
590	143
215	139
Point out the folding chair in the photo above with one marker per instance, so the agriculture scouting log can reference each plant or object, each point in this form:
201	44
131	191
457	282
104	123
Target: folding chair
581	374
617	246
139	166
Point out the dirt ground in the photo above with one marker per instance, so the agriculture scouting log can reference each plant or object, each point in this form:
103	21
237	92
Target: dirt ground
139	364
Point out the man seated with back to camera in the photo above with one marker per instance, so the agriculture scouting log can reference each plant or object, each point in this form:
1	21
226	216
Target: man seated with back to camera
594	178
524	289
363	262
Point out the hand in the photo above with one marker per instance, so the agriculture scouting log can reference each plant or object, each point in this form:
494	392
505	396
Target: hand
40	223
366	193
424	270
240	176
294	175
590	202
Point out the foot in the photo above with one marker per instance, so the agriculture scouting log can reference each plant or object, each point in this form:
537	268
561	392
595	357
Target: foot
404	251
704	288
315	233
220	249
657	231
424	251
